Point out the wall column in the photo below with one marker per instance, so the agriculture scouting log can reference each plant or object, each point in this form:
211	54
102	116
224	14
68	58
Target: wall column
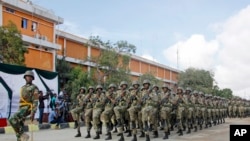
89	55
1	14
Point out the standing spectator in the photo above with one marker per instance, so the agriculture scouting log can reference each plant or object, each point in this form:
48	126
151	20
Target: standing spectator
53	102
41	106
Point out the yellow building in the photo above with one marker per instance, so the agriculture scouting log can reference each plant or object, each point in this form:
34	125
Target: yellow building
45	43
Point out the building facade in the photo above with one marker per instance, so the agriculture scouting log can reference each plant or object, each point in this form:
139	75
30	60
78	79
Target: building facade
45	43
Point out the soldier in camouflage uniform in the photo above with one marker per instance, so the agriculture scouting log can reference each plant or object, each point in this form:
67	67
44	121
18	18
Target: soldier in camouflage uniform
214	111
150	102
180	108
88	111
120	108
202	116
166	109
190	109
28	105
108	110
135	108
76	112
209	109
196	109
98	106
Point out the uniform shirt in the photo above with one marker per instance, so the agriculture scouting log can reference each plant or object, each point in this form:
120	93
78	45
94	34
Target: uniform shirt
29	96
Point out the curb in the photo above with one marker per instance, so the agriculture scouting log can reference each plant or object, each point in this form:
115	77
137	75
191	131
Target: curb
35	127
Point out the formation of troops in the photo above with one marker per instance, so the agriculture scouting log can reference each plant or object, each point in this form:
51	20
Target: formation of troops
150	108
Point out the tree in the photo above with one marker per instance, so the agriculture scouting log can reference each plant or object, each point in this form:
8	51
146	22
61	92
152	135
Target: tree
227	93
63	68
77	79
12	49
197	79
112	63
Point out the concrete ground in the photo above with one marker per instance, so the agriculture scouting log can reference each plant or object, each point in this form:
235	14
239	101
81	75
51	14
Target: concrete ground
215	133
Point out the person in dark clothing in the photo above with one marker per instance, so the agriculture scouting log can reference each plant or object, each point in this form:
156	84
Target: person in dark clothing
41	106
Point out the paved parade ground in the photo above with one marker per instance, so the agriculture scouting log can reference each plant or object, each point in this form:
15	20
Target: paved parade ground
215	133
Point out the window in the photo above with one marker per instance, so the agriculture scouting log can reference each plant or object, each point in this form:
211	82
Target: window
34	26
24	23
10	10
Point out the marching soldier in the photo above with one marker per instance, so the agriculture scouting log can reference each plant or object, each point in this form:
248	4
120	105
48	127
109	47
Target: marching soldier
98	106
202	116
76	112
121	108
28	105
150	102
180	108
196	110
209	109
108	110
134	109
190	109
165	111
88	111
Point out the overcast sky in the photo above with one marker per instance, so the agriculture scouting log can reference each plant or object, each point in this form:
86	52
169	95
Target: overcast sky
208	34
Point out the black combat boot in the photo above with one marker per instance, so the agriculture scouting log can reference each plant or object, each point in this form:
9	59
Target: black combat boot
172	128
100	128
76	124
150	127
165	135
200	126
184	128
97	136
147	138
115	131
206	125
189	131
78	134
134	138
129	133
195	129
88	135
121	137
109	137
142	134
156	135
180	133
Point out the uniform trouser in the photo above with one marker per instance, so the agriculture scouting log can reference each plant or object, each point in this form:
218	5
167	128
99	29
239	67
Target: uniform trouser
76	113
165	113
97	118
18	119
120	115
133	114
106	117
235	112
179	117
149	115
241	109
196	115
88	118
230	111
209	115
190	116
203	115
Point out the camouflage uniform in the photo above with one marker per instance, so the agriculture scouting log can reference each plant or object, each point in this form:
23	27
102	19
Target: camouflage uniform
76	112
98	106
88	111
120	108
135	108
202	116
189	108
209	109
28	105
108	110
166	109
180	108
150	101
196	109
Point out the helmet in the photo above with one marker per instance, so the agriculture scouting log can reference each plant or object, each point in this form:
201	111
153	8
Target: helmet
195	92
201	93
188	89
91	87
29	73
135	83
82	88
131	88
165	86
146	82
123	83
155	86
180	88
112	85
98	87
206	95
